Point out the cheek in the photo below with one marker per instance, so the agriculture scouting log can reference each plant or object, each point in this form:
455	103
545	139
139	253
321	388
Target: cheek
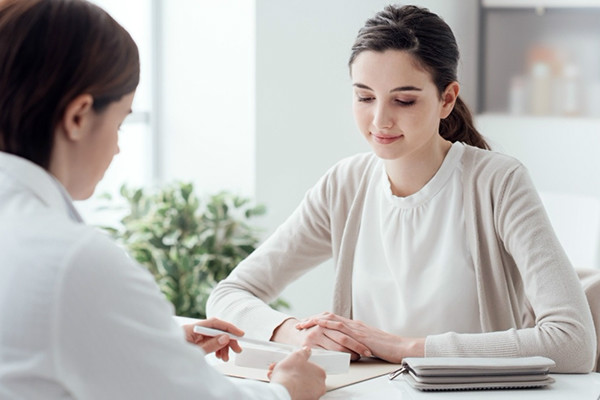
361	116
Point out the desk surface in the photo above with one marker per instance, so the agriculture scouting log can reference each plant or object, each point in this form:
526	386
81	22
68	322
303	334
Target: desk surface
567	386
580	387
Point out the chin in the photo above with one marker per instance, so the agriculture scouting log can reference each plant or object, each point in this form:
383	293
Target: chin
84	194
386	154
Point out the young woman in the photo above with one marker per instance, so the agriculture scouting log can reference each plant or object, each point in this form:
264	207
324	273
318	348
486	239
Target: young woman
441	247
78	319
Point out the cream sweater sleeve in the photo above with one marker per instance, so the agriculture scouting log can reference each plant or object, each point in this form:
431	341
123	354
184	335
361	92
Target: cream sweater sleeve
302	242
522	270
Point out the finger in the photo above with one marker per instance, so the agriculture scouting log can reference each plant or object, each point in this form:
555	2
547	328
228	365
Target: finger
235	346
270	371
215	343
222	325
224	354
306	324
328	343
197	338
348	342
345	336
304	352
335	325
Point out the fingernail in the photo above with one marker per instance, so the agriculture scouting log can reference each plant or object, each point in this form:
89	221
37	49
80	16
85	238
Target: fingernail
222	339
368	353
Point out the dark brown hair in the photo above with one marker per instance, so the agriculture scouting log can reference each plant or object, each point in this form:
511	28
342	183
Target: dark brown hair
52	51
431	42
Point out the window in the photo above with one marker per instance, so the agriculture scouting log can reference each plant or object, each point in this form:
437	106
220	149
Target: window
135	164
193	114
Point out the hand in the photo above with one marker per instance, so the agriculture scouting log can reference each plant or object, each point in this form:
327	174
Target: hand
293	332
218	344
383	345
303	380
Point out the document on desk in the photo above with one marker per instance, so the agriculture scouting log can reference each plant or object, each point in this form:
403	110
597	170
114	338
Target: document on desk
366	368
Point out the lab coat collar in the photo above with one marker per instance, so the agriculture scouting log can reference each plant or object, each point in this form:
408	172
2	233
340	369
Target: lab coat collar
40	182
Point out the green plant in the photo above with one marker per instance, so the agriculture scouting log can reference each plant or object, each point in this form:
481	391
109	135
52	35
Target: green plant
189	244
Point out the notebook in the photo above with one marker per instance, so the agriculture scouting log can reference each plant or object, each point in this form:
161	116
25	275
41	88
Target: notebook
460	373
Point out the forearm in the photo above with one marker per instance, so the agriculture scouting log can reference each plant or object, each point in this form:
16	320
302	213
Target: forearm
234	304
572	348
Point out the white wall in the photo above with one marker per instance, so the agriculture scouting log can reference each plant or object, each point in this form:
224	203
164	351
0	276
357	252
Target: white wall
304	122
207	87
561	155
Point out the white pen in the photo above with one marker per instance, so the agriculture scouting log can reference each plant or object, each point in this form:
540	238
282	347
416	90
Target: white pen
216	332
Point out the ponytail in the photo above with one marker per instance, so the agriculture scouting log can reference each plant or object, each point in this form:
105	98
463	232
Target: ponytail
459	127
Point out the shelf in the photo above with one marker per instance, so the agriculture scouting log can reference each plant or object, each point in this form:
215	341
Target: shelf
540	64
540	3
546	119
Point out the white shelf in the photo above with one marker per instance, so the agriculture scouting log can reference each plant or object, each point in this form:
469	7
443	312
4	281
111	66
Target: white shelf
540	3
541	119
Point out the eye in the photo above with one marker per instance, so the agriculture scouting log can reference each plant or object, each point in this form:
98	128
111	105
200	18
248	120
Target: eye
405	103
364	99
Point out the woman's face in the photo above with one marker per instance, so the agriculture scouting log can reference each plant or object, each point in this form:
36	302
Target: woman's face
101	144
396	105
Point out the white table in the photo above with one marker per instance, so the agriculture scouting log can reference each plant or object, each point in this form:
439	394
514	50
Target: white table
566	387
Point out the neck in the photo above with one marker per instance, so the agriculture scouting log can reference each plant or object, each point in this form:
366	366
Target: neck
61	164
409	173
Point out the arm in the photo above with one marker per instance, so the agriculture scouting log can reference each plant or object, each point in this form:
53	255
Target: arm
115	336
519	253
562	328
300	243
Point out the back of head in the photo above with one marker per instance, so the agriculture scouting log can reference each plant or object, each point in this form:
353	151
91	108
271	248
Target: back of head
52	51
433	46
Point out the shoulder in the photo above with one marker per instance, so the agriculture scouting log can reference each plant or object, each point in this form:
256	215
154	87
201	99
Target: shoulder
95	256
350	171
490	159
491	166
356	163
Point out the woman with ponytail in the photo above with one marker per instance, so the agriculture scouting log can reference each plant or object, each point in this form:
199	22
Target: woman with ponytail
441	247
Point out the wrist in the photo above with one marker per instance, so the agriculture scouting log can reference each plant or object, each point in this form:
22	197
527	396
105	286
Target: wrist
286	332
415	347
408	347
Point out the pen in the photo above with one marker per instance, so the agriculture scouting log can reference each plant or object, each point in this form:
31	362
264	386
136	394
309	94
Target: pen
216	332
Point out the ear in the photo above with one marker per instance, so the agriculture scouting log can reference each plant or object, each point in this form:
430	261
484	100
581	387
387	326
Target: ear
76	115
449	99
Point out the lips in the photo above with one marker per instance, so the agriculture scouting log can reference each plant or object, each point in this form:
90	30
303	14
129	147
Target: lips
386	139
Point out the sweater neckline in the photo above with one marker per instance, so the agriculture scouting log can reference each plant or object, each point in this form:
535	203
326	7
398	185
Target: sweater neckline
432	187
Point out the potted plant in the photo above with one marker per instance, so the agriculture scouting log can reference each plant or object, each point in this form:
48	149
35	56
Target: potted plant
188	243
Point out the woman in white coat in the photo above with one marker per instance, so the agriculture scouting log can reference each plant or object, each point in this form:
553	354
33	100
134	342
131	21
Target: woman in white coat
78	318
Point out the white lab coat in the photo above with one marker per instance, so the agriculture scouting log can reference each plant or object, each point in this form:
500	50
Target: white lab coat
78	318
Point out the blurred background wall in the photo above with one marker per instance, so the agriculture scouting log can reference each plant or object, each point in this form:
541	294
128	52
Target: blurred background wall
254	96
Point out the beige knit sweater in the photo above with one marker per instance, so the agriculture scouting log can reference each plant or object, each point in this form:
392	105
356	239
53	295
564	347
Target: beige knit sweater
530	298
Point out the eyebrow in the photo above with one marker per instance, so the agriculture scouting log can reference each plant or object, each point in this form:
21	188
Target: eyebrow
398	89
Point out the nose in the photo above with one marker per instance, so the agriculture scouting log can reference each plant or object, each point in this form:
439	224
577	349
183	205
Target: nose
383	118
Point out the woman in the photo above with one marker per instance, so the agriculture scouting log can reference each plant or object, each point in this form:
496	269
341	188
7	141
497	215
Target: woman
78	319
441	247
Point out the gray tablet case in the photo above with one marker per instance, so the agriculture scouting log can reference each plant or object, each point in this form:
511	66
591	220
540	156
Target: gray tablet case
463	373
